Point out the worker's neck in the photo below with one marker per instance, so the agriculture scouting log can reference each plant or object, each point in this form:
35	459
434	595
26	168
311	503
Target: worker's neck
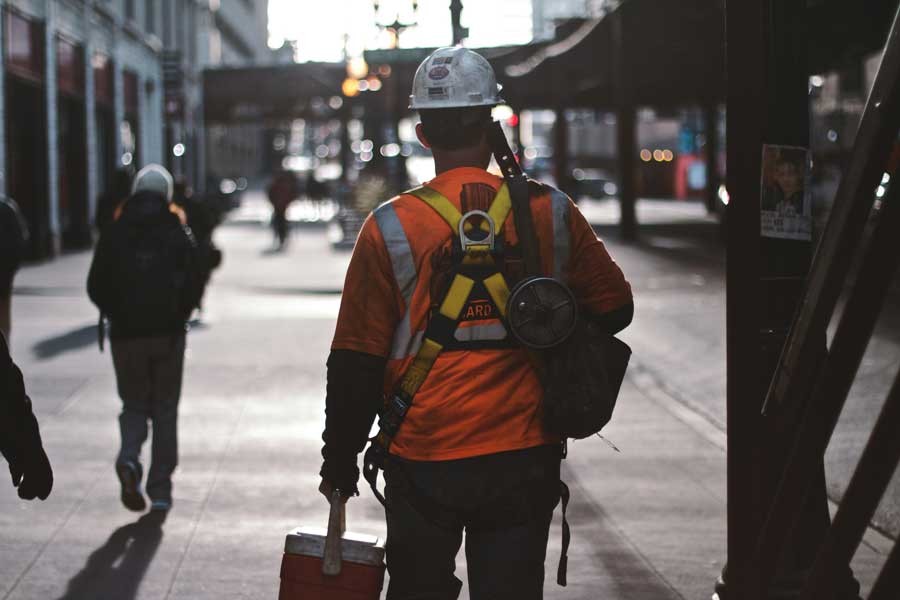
445	160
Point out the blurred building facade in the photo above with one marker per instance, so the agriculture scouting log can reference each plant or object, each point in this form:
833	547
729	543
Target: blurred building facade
547	14
208	34
83	93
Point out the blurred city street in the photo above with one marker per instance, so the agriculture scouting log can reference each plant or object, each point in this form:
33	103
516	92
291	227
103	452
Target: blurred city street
648	522
740	160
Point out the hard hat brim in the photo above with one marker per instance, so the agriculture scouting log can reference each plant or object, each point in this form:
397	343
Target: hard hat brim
413	105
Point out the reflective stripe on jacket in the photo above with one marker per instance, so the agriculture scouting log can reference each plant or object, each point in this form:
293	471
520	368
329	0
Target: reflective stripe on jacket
474	401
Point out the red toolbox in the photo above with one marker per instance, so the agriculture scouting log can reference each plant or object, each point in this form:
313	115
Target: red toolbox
356	563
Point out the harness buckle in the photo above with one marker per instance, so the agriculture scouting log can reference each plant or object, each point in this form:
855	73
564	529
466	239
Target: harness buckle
476	243
393	416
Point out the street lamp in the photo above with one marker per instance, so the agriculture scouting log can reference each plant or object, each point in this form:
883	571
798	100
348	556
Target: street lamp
397	27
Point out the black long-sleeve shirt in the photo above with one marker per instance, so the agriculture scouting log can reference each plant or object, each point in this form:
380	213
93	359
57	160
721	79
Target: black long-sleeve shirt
17	423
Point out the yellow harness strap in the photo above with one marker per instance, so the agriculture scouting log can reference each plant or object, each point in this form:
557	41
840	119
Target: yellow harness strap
418	370
498	211
460	288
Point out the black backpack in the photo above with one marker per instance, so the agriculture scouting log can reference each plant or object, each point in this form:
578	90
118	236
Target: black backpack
151	275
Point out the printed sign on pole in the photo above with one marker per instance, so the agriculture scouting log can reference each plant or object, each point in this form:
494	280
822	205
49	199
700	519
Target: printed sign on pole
786	206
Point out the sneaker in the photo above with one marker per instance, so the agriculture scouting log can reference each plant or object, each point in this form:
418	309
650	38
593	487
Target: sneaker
159	505
130	480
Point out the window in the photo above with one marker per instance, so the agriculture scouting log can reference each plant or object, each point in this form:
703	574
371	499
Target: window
129	10
150	16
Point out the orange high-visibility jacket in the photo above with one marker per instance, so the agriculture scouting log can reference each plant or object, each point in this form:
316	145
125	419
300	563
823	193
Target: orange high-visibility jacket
474	401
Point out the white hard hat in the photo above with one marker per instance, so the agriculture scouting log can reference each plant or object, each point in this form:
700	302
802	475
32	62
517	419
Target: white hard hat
154	178
454	77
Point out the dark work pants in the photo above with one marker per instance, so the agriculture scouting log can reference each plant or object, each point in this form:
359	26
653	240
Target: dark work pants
280	226
504	502
148	374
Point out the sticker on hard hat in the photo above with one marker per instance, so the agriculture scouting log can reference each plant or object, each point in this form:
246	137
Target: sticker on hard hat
436	93
438	73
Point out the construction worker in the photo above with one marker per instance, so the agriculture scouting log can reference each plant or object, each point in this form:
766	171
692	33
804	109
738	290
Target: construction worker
145	278
470	453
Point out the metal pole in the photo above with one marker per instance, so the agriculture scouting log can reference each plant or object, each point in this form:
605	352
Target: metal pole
625	129
459	32
746	118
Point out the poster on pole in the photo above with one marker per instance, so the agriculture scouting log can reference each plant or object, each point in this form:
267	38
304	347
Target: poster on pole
786	205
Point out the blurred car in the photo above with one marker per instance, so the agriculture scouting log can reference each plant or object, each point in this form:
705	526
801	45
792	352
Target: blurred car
594	183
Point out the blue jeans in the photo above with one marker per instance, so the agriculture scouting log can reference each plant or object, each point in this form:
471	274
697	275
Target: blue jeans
148	374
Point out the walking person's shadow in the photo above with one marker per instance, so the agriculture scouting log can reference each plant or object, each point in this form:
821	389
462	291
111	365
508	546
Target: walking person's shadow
115	570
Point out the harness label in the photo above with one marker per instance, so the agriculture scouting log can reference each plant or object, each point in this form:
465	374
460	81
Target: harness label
479	310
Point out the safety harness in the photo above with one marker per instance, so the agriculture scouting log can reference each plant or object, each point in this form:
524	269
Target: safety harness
477	262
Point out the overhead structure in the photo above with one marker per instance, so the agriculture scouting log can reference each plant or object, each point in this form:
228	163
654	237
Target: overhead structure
260	94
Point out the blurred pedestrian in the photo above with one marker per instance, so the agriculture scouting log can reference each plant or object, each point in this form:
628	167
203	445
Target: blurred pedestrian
315	190
421	341
20	437
282	191
145	277
13	246
203	219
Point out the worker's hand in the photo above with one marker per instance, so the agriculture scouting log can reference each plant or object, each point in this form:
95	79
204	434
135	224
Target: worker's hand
326	489
33	475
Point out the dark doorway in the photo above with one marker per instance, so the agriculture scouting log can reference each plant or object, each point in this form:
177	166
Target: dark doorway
72	150
26	156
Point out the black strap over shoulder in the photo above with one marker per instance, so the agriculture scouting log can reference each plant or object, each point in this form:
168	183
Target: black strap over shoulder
521	200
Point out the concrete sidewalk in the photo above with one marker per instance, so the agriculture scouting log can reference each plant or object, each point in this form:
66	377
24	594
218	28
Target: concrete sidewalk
648	522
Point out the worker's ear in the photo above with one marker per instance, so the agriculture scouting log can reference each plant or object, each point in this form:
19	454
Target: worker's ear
420	133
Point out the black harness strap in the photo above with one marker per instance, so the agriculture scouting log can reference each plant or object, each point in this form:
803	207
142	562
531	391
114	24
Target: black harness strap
566	536
521	207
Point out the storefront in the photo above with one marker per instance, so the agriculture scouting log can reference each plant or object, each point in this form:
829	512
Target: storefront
26	126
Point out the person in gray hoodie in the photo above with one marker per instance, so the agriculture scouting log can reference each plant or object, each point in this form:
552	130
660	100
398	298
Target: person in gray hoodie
145	278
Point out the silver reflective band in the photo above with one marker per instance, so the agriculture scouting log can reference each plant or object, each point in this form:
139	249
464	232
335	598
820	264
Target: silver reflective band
405	342
404	268
398	248
560	208
481	333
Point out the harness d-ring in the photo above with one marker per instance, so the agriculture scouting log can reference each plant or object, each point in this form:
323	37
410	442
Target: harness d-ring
465	241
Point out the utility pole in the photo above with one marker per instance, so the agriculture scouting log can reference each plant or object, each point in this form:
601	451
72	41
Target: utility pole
459	32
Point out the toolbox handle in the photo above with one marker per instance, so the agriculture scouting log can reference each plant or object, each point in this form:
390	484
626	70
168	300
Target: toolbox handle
337	523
